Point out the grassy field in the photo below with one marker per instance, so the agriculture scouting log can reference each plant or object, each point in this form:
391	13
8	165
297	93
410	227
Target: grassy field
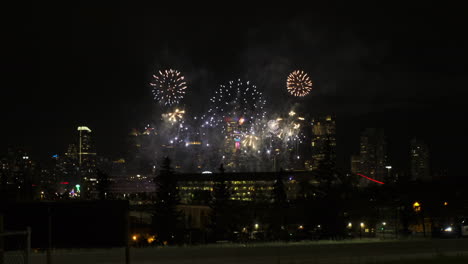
321	252
432	260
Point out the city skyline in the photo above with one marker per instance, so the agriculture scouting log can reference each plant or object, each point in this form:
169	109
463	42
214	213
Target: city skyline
399	81
139	132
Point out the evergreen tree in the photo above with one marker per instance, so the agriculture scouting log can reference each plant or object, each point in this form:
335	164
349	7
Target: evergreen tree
279	193
330	203
279	207
103	184
166	215
221	211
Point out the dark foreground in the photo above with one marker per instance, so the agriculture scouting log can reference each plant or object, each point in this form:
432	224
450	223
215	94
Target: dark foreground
412	251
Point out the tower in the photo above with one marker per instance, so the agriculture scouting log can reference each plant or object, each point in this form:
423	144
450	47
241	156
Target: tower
323	140
373	153
86	154
419	156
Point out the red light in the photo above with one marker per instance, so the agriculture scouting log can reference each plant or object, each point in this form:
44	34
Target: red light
370	178
64	182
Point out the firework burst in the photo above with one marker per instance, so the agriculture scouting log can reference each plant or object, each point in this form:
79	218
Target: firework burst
175	116
299	83
168	87
250	141
238	101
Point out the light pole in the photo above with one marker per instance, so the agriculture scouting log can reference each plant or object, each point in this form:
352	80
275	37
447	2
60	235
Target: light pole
350	226
361	226
383	229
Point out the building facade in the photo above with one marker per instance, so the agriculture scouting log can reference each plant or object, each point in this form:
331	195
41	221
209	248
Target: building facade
419	158
373	154
323	141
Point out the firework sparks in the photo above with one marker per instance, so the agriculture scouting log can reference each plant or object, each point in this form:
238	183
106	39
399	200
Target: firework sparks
250	141
273	127
168	87
175	116
299	83
236	101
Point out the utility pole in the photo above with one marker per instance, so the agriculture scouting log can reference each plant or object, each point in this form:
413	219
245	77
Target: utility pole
127	235
49	236
1	240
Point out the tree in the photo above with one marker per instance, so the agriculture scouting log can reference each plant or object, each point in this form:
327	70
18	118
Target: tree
166	216
280	204
220	214
103	184
330	201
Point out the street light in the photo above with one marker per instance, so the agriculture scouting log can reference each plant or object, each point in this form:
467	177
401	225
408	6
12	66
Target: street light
361	226
383	229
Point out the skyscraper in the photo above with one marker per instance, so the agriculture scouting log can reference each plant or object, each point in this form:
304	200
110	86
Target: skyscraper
72	152
323	140
86	153
373	154
355	164
419	155
86	162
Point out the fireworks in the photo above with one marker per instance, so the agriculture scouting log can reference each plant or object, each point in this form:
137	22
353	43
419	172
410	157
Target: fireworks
235	128
299	83
273	127
238	101
168	87
175	116
250	141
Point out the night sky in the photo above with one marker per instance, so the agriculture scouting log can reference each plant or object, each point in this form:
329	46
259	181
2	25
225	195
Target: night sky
402	69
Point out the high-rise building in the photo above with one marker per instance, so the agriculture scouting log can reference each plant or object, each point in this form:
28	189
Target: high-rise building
323	140
373	154
86	153
419	156
86	162
72	152
18	174
355	163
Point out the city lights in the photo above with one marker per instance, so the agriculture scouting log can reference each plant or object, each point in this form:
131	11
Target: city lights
229	136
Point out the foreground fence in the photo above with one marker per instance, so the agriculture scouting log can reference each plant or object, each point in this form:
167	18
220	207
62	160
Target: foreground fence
15	247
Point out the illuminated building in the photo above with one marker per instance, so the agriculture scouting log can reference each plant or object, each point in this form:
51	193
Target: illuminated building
372	154
86	153
355	164
142	146
232	143
419	158
246	187
72	152
17	174
323	140
86	162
